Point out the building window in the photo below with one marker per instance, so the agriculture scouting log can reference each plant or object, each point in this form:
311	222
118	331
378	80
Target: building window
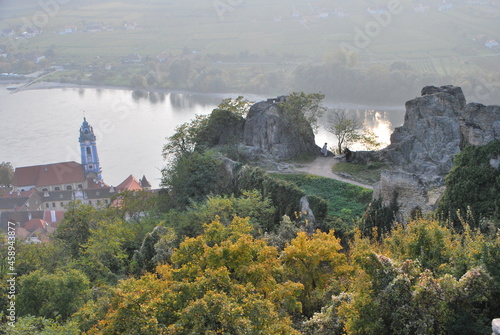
106	201
91	166
89	152
57	188
90	202
47	205
53	205
80	186
62	204
45	189
69	187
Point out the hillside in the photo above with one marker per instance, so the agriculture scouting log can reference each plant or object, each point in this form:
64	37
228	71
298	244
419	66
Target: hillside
229	44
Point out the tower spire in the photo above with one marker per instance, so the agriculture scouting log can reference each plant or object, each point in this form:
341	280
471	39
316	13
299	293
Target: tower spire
88	149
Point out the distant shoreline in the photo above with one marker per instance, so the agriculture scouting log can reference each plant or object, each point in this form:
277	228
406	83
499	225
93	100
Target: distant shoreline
250	96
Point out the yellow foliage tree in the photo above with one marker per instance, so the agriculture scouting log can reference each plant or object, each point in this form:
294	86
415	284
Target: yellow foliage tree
221	282
314	261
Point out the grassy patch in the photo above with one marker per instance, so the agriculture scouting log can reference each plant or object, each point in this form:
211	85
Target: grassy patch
364	173
345	201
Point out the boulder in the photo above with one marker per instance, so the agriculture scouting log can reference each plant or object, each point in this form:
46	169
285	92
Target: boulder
269	129
412	195
495	326
480	124
431	136
306	210
437	126
449	89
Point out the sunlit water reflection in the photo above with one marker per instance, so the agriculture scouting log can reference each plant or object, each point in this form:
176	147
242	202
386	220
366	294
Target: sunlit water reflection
380	122
41	126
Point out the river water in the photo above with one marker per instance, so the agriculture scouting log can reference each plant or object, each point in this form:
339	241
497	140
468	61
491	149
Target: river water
42	126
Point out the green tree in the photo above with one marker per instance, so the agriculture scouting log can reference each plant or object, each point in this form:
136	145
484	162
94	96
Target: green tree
156	249
6	174
74	229
350	130
105	244
134	206
378	219
31	325
473	186
184	139
344	128
194	176
48	256
223	127
304	109
52	295
238	106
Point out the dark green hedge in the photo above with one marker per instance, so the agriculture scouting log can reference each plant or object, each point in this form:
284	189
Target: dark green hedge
473	186
284	195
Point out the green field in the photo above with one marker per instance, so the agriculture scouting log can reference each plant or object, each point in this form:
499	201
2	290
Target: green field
344	200
173	25
257	37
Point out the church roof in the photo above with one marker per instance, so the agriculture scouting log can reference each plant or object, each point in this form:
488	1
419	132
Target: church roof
12	203
93	183
144	182
49	174
129	184
19	217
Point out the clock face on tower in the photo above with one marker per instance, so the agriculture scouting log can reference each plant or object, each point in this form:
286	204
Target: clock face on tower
87	142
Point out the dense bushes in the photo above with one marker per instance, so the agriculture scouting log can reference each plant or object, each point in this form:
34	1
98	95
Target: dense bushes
192	177
473	186
285	196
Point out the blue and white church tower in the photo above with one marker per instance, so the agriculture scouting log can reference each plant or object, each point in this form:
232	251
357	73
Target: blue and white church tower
88	147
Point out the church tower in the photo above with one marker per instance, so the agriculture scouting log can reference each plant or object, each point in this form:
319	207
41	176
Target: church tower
88	147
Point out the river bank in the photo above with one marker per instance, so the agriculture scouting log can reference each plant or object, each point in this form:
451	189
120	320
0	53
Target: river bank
46	85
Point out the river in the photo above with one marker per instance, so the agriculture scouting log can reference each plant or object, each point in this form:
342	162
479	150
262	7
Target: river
42	126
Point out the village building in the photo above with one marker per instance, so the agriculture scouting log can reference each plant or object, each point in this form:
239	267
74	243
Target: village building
40	194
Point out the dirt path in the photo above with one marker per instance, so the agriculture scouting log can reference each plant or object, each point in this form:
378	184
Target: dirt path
322	166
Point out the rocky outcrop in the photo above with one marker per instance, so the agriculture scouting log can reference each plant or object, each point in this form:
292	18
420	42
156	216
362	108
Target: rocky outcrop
437	126
413	197
480	124
495	326
268	130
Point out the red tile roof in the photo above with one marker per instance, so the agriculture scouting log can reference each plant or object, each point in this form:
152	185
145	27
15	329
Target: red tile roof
129	184
20	194
35	224
50	174
95	184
